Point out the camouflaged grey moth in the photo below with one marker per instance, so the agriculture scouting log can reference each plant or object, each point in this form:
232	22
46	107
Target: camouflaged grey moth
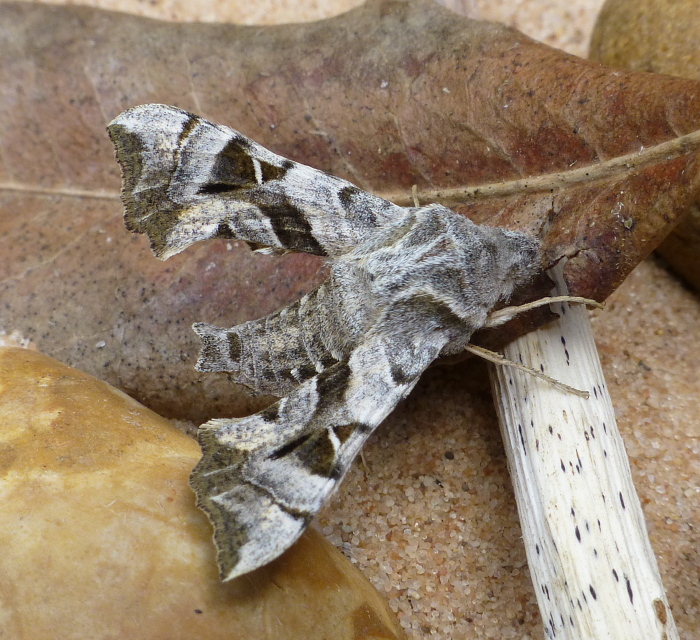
406	285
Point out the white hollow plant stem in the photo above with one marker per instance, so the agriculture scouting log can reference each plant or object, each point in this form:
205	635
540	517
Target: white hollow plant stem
590	559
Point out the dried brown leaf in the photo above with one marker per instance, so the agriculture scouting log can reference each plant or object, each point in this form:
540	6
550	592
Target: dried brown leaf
389	95
660	36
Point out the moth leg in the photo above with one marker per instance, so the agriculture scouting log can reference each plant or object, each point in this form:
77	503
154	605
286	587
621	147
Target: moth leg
365	466
497	318
499	359
414	195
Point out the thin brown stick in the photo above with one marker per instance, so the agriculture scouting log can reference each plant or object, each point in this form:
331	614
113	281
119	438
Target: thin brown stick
620	165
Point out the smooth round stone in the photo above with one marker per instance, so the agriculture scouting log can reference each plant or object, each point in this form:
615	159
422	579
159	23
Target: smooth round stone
101	538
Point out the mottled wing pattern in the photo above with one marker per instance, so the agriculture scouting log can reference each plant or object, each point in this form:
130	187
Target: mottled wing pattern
186	179
263	478
405	285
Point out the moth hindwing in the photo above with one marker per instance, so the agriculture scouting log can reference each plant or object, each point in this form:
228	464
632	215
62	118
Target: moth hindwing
405	286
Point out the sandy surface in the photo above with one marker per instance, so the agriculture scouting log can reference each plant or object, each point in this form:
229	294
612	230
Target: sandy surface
431	518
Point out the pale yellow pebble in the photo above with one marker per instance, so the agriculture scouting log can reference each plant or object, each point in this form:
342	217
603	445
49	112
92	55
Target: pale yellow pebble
101	538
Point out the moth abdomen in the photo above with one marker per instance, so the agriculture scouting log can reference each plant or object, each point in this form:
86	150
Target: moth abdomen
275	354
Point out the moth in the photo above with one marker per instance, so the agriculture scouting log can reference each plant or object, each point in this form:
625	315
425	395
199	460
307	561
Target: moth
405	285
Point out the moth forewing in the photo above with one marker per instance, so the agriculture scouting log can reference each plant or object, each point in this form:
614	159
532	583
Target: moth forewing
186	179
261	487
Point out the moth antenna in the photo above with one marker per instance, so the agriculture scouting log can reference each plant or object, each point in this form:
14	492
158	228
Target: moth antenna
497	318
499	359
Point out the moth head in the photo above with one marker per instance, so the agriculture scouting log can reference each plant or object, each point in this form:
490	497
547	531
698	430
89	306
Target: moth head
519	261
